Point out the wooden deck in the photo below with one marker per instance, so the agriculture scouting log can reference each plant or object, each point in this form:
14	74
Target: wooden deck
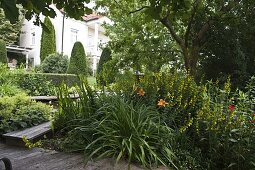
40	159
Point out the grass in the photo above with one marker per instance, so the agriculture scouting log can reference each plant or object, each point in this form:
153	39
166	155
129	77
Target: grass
92	81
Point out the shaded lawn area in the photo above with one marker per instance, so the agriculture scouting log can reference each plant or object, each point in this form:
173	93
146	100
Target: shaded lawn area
92	81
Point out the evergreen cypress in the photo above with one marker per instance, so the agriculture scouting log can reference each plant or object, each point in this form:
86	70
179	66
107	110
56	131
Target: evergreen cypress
3	52
48	40
77	64
105	57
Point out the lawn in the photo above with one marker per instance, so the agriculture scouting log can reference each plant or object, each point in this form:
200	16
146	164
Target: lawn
92	81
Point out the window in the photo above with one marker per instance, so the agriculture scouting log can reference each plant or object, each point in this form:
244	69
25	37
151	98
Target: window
74	35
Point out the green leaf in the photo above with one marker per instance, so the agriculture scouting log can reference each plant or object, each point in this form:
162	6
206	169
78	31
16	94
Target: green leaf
10	10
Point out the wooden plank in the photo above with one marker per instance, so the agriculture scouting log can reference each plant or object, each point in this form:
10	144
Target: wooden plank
30	133
52	98
40	98
33	134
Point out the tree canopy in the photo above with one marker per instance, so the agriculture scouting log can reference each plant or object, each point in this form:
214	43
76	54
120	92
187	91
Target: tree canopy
187	22
73	9
9	32
138	43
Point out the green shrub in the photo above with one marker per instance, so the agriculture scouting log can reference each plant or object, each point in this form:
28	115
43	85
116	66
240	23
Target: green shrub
48	40
225	128
3	52
178	90
250	88
7	76
110	72
19	112
8	89
58	79
124	83
105	57
77	64
35	84
54	63
54	79
8	81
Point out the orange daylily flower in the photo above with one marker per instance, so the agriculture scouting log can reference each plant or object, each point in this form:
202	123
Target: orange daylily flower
162	103
141	92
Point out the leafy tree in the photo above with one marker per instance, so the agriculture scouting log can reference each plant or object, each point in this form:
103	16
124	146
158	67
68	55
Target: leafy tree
140	44
3	52
48	40
188	22
9	32
230	51
77	64
105	57
73	9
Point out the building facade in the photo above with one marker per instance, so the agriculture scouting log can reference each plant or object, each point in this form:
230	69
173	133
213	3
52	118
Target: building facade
88	31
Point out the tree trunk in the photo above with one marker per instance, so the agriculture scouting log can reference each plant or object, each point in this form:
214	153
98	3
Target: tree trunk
190	59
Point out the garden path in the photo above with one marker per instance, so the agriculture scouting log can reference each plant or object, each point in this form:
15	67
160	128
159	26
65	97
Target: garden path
41	159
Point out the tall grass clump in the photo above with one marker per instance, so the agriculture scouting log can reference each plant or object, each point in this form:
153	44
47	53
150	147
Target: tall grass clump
71	110
130	131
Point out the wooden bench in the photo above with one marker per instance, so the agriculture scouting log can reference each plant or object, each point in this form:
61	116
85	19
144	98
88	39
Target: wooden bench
32	134
52	98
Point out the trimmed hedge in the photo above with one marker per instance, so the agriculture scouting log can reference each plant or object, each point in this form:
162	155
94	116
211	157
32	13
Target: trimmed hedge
3	52
57	79
78	63
48	40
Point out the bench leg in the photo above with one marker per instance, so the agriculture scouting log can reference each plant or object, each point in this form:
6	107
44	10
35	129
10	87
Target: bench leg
7	163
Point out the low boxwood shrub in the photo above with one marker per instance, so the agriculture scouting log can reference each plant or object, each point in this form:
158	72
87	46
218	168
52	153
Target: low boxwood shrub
19	112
